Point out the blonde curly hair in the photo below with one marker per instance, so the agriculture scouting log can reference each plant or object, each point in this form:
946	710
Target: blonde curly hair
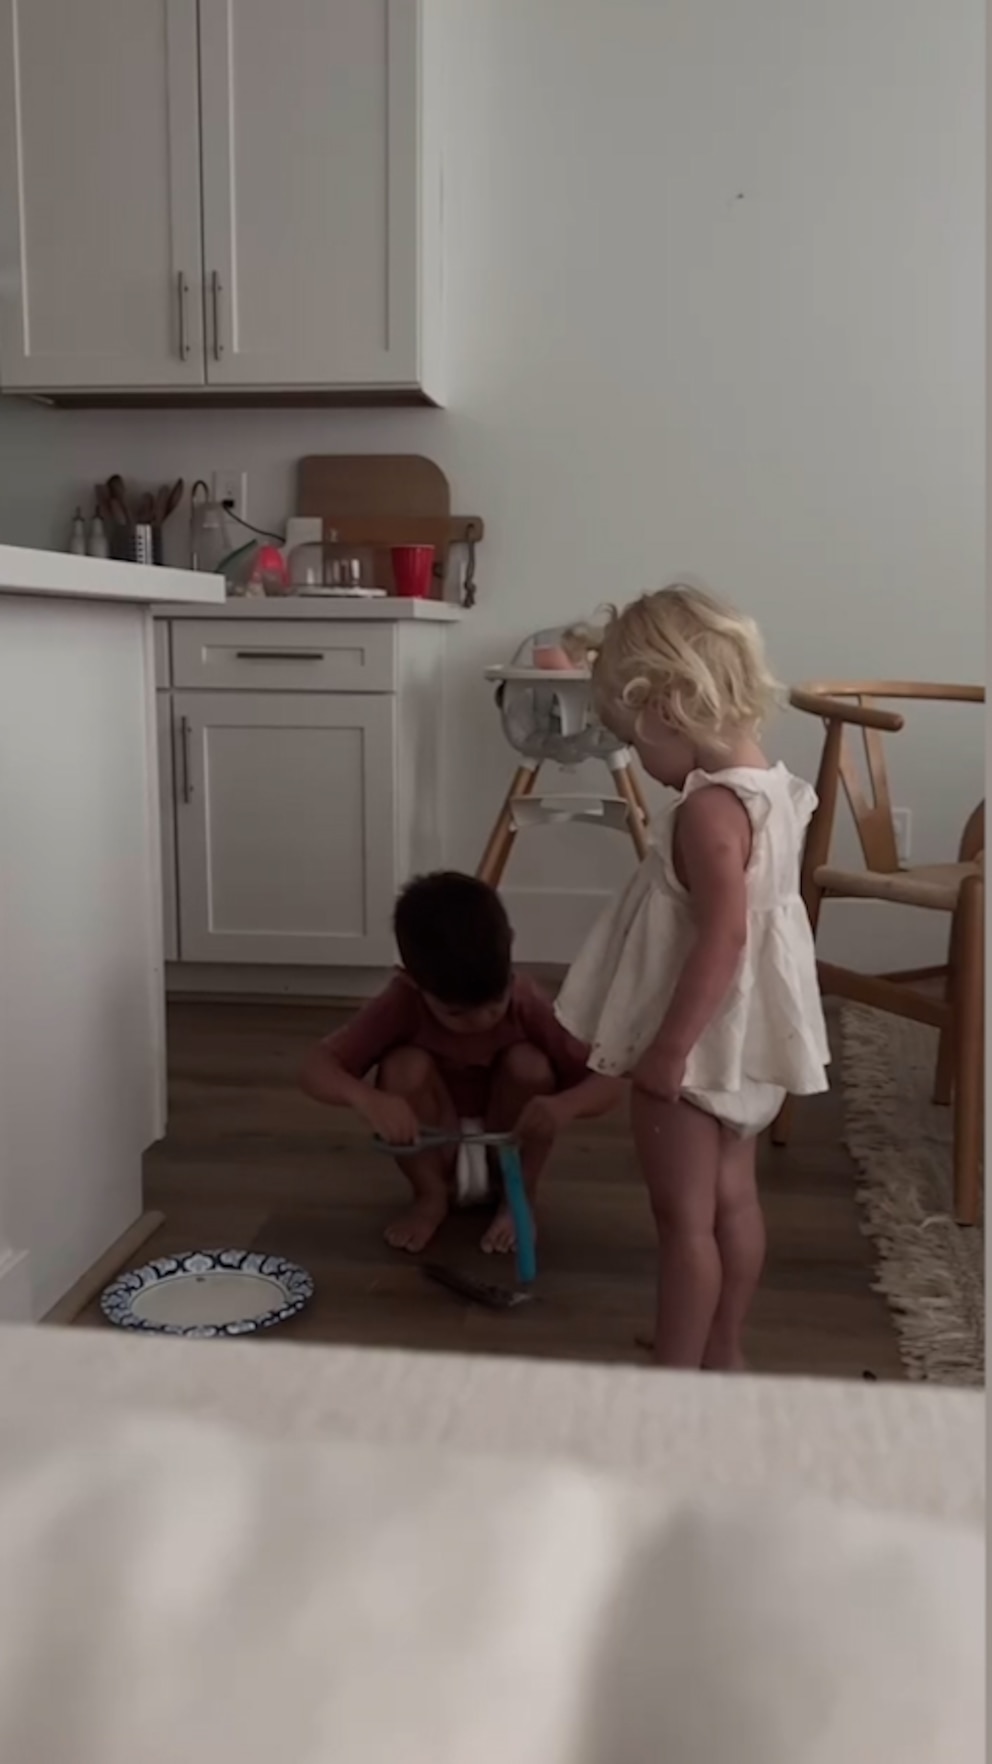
699	664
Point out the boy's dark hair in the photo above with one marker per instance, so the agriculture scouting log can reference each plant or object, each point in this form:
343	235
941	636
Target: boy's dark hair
454	938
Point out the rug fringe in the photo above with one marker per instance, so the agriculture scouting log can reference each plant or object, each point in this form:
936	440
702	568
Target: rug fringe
923	1272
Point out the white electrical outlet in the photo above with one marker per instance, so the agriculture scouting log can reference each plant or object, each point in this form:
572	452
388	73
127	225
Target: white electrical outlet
902	826
231	487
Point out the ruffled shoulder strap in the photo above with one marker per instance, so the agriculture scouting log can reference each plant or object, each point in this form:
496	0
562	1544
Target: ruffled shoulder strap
759	790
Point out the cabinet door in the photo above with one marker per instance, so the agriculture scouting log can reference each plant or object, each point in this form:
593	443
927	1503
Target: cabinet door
167	811
100	261
310	191
285	817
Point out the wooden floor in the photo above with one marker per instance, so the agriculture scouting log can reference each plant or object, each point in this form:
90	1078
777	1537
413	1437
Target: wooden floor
251	1163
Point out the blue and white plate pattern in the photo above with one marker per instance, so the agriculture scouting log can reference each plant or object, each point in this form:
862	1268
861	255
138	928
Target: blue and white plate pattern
204	1294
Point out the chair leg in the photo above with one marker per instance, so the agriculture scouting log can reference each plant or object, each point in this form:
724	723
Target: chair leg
782	1124
943	1083
967	1005
639	796
500	842
626	788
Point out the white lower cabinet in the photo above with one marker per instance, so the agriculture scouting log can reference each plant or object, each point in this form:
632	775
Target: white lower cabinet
286	827
301	780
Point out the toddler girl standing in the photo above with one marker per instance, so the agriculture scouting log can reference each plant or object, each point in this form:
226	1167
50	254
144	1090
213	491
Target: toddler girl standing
699	981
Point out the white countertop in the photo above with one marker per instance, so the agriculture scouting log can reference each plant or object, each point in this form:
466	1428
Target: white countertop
317	606
57	573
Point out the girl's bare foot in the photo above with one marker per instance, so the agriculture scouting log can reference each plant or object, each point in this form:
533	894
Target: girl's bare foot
413	1229
736	1364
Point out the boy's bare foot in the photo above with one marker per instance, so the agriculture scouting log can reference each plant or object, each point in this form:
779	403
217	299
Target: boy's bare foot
413	1229
500	1237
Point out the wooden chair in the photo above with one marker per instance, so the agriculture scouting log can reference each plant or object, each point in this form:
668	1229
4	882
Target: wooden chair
950	997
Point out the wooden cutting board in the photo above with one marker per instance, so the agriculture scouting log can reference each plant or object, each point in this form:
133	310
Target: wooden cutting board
339	485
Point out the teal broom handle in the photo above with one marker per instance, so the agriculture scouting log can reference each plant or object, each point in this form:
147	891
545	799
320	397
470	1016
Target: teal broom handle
520	1213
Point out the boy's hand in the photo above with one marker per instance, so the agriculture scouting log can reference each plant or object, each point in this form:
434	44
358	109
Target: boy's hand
541	1120
391	1118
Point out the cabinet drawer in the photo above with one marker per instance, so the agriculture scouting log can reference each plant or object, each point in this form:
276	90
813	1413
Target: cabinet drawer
283	656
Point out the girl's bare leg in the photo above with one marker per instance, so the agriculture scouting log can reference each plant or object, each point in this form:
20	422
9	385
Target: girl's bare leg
522	1073
412	1074
740	1236
679	1151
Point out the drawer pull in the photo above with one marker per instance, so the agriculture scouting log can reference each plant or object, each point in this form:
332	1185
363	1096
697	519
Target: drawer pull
306	655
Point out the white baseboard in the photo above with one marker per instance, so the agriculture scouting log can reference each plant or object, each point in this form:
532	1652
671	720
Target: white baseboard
220	981
16	1304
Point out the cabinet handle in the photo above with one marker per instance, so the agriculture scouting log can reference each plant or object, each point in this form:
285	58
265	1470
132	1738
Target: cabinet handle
216	290
184	734
304	655
183	291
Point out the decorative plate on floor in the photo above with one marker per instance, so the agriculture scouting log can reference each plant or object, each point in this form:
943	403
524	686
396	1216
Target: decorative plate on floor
208	1293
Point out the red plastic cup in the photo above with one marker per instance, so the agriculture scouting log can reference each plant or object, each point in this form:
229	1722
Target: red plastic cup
413	570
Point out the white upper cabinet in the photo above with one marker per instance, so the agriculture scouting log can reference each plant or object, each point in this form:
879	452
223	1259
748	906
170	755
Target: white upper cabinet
100	257
290	138
310	183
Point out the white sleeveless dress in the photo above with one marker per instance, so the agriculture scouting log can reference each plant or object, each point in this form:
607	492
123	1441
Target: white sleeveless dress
768	1038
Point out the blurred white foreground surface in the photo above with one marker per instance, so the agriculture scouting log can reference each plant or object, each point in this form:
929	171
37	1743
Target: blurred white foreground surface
173	1591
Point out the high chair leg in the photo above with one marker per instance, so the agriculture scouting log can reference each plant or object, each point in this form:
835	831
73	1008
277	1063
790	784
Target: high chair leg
500	843
626	788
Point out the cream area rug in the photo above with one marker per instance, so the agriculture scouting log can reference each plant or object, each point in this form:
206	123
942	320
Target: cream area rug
930	1270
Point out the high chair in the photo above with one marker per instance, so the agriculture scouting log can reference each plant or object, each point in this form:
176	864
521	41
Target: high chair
547	715
949	997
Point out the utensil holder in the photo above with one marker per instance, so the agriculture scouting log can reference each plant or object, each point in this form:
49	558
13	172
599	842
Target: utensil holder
130	544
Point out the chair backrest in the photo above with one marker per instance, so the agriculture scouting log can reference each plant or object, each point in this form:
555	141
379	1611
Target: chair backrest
849	712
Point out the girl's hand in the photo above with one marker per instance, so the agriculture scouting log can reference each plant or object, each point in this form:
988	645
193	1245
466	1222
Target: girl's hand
541	1120
661	1073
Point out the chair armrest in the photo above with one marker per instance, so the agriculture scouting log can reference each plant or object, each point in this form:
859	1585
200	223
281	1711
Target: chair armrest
839	710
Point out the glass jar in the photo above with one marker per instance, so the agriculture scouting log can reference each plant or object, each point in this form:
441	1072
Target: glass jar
306	566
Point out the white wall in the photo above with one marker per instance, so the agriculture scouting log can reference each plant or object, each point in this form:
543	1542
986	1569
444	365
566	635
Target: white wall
715	303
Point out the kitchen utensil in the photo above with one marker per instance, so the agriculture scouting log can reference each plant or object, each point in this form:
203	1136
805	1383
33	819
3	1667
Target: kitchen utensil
413	567
167	501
